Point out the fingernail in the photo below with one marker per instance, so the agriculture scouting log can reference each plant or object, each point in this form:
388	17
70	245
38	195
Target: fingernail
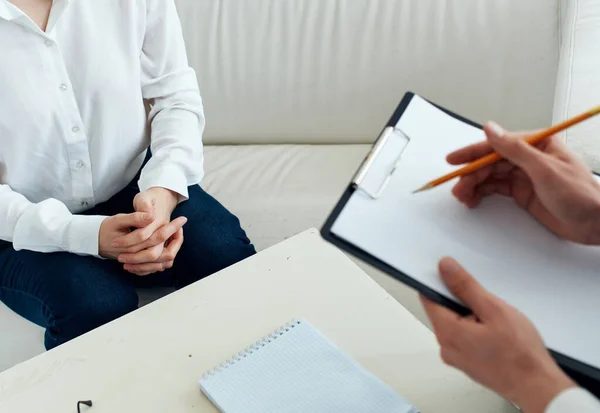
449	267
496	130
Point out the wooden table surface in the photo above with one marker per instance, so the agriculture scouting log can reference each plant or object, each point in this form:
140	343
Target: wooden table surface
151	360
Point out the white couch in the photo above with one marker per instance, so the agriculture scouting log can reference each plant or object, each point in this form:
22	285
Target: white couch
297	90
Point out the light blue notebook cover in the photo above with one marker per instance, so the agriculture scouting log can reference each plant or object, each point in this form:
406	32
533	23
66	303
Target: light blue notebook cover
296	369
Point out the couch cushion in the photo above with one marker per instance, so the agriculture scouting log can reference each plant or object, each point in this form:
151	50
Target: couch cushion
20	340
578	81
281	190
331	71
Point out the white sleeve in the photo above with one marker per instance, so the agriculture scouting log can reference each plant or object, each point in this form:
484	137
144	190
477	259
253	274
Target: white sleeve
47	226
574	400
169	84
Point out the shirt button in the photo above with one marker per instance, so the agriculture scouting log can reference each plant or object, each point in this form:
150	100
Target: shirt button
84	204
63	87
80	165
75	129
48	43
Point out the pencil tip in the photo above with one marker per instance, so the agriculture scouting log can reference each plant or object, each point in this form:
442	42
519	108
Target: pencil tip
423	188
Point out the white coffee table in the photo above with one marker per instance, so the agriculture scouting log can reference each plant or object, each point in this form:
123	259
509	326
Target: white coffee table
150	360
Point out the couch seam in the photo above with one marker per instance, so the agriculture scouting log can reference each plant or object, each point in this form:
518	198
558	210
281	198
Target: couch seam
560	12
569	94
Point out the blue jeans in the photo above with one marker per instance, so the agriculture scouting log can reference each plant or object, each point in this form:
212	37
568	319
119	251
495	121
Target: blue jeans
70	295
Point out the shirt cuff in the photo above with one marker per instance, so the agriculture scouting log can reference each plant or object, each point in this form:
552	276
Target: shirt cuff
84	232
574	400
168	177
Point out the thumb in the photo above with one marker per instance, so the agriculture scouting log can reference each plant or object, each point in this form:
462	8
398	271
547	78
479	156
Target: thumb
514	148
142	202
465	287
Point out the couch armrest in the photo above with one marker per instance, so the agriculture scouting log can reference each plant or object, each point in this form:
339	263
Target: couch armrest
578	87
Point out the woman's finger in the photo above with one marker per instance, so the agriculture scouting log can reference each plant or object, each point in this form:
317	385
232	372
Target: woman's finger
136	237
162	235
144	269
154	259
146	256
172	249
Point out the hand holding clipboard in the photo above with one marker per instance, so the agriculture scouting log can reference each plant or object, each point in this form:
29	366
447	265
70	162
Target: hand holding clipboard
553	282
557	189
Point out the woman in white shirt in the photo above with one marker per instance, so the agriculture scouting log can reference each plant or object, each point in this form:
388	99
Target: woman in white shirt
497	346
76	184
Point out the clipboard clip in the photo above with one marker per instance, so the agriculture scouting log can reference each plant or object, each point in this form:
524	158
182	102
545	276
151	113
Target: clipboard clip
381	162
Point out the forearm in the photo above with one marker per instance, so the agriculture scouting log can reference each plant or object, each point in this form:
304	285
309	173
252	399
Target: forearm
537	392
177	115
176	145
47	226
549	390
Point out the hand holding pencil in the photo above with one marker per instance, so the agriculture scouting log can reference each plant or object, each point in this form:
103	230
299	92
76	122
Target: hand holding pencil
493	157
547	180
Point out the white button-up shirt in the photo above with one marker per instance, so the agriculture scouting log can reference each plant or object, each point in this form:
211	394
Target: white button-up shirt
74	127
575	400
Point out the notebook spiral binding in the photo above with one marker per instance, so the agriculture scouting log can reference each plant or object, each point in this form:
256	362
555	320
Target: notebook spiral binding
251	349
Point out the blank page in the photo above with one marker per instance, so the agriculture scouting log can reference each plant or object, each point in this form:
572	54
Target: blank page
297	370
554	282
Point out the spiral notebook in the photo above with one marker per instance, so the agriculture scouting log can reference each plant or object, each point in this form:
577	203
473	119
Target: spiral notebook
296	370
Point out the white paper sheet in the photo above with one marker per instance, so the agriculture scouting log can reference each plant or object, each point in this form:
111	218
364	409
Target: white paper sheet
554	282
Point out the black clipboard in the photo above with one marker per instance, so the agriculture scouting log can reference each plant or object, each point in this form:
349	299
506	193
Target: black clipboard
585	374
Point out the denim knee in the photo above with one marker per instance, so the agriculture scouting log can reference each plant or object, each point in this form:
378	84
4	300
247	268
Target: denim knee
88	311
231	248
214	238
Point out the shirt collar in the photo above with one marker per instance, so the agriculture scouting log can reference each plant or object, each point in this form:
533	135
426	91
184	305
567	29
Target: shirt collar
9	11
